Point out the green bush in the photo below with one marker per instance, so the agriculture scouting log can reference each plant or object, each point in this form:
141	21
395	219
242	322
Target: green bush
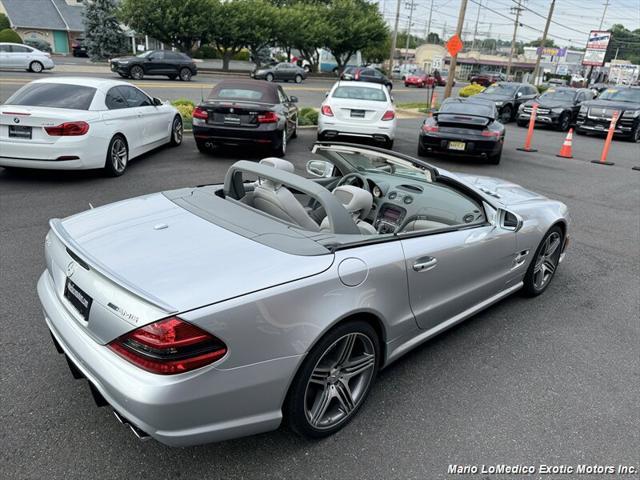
185	107
4	21
183	101
206	52
242	55
8	35
470	90
308	116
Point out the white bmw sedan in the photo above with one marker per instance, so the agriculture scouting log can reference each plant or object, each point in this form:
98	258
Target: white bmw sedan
360	110
83	123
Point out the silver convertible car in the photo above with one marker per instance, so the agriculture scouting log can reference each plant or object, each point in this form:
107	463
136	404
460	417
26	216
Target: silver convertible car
207	313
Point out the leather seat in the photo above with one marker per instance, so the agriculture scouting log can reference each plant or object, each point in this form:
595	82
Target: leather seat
277	200
358	203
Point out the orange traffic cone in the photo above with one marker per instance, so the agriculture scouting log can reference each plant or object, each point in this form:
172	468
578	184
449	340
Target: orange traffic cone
565	151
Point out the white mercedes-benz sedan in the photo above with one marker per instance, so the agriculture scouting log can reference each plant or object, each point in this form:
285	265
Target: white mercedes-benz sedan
358	110
74	123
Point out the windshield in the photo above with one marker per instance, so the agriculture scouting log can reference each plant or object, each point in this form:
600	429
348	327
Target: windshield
630	95
558	95
145	54
468	108
501	89
419	73
360	93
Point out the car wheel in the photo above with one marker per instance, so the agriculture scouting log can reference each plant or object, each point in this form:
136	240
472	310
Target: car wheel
269	77
117	156
185	74
172	77
136	72
294	134
281	149
36	67
495	159
635	135
298	78
564	122
389	86
422	152
388	144
522	123
177	131
334	380
506	113
544	264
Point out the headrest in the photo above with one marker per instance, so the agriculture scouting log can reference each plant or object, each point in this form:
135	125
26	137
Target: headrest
355	200
278	163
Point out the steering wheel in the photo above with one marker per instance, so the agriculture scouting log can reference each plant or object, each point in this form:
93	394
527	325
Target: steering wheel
349	178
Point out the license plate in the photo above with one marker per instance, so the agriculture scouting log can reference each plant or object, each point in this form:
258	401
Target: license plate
232	119
457	146
18	131
357	113
78	298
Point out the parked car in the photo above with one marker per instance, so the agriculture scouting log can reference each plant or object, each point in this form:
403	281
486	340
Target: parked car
487	78
507	97
598	88
595	115
79	48
155	62
366	74
283	71
402	71
246	112
463	127
420	79
557	107
358	110
24	57
208	313
441	81
68	123
38	44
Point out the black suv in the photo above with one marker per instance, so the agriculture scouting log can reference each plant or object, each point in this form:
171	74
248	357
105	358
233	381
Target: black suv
507	97
595	115
155	62
366	74
557	107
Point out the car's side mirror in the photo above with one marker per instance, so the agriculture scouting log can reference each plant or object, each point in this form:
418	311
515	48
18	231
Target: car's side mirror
326	94
508	220
293	99
320	168
157	102
519	94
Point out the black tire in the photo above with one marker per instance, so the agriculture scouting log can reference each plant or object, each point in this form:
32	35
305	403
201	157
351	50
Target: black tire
530	289
269	77
495	159
172	77
202	147
422	152
506	114
635	134
564	122
298	78
389	86
579	131
112	167
136	72
388	144
177	131
294	134
295	406
36	67
185	74
280	150
522	123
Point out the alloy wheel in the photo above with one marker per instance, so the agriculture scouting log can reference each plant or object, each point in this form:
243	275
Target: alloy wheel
119	155
547	261
505	115
339	381
36	67
178	131
136	72
185	74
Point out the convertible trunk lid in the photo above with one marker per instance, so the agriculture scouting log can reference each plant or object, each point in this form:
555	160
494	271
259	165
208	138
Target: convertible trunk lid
168	258
507	193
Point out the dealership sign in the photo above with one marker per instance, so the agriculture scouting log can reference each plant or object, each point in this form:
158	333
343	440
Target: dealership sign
551	51
596	48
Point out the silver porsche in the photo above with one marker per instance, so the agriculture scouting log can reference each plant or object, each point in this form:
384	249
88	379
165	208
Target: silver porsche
218	311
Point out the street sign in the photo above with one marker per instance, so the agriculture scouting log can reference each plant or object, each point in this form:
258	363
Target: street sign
596	48
454	45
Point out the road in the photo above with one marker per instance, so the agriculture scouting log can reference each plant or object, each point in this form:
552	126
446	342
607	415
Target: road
310	93
551	380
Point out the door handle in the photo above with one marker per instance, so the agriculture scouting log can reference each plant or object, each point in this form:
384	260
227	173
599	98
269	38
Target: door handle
425	264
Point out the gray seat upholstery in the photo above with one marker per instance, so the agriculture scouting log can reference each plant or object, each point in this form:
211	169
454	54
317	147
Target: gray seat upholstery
358	203
278	201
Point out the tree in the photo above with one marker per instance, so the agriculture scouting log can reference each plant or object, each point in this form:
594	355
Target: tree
626	43
4	22
434	38
177	23
377	53
8	35
355	25
548	43
264	19
229	30
104	37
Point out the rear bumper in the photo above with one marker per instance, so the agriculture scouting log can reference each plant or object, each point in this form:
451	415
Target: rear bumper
206	405
71	153
473	146
332	127
267	134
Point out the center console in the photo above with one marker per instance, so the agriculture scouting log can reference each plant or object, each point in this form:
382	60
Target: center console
389	218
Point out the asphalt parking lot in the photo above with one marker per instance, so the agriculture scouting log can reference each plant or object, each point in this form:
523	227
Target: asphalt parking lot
552	380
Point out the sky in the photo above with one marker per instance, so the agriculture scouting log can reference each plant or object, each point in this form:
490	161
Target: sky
573	18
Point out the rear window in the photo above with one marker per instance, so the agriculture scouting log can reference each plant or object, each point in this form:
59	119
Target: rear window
55	95
468	109
257	93
360	93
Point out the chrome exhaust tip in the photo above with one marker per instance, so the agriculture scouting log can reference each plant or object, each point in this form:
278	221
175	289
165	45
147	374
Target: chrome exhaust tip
140	434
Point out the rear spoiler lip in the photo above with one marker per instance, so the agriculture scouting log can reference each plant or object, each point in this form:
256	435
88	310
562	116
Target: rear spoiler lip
435	114
62	234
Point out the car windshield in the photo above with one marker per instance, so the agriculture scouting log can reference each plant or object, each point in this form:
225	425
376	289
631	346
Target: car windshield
502	89
243	91
630	95
54	95
468	108
145	54
360	93
558	95
419	73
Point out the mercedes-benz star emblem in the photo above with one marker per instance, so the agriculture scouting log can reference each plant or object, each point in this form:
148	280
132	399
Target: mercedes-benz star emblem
16	120
71	268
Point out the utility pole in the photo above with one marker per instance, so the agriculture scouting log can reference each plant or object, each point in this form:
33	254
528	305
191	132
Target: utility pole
544	39
394	39
444	30
454	58
604	14
411	6
475	30
517	9
428	30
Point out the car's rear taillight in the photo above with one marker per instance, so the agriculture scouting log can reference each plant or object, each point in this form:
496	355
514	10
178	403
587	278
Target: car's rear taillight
268	117
169	346
429	127
388	115
68	129
326	111
200	113
490	133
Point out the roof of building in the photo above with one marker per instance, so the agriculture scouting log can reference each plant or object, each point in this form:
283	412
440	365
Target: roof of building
45	14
